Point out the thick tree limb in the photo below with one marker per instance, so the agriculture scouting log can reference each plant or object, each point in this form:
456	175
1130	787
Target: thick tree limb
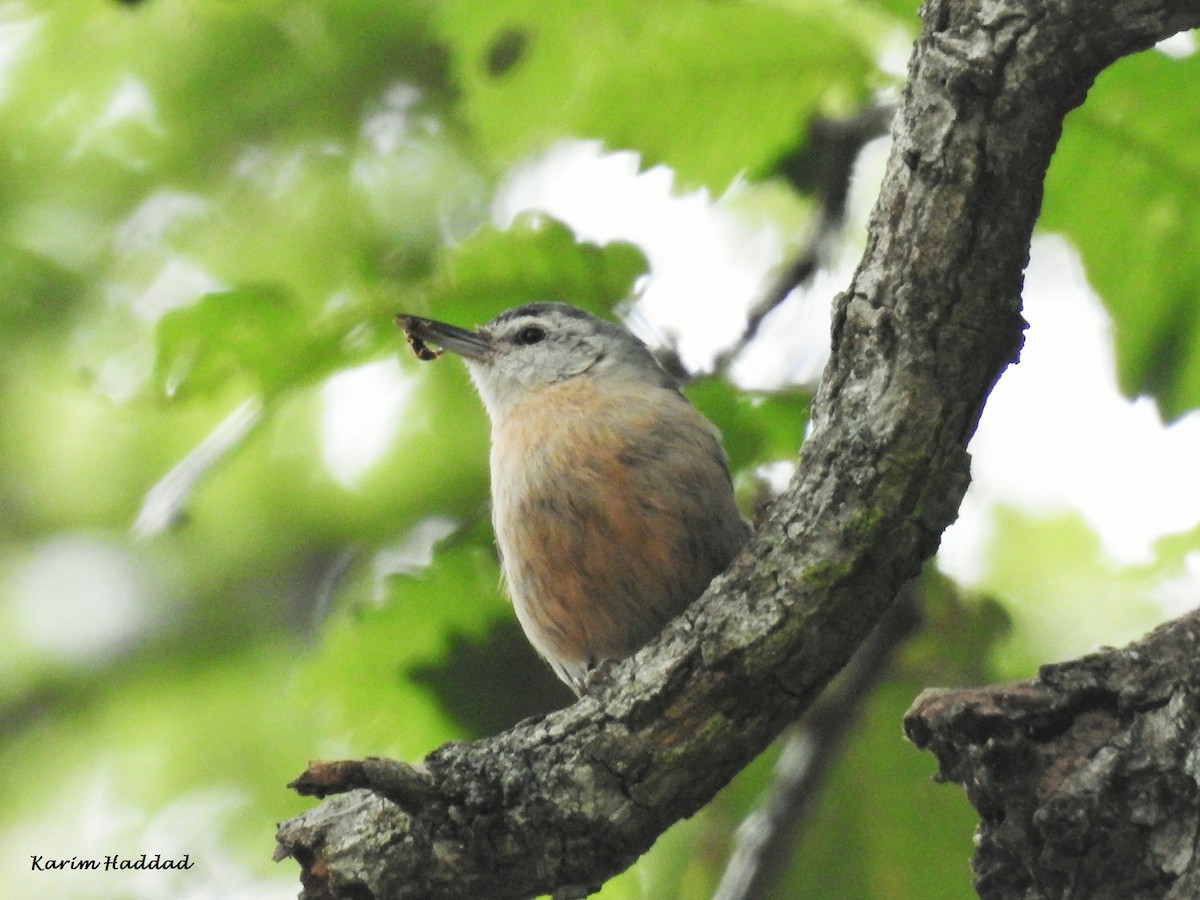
1087	779
932	317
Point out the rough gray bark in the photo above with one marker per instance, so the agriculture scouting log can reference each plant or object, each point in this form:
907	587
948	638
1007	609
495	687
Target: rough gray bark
1087	779
932	317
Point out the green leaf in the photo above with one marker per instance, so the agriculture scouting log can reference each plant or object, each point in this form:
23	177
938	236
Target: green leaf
252	332
1124	186
537	258
756	428
487	682
711	89
361	680
261	334
35	292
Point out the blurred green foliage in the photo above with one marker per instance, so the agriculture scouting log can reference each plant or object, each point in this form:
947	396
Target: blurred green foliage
659	77
206	204
1125	187
1065	595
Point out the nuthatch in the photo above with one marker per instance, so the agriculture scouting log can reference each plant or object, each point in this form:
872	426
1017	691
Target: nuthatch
611	497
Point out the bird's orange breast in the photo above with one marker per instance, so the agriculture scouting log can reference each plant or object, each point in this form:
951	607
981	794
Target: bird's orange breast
613	510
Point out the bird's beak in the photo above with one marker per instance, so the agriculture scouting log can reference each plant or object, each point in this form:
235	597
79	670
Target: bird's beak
467	344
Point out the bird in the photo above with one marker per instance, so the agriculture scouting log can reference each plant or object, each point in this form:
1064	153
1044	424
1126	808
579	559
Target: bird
612	502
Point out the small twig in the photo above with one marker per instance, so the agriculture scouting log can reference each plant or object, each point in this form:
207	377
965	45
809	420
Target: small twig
405	785
826	166
163	505
768	837
823	167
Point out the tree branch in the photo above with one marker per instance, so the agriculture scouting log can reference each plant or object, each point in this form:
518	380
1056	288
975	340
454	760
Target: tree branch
932	317
1086	778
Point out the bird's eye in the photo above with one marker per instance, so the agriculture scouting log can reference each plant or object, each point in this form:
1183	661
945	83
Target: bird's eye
530	334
